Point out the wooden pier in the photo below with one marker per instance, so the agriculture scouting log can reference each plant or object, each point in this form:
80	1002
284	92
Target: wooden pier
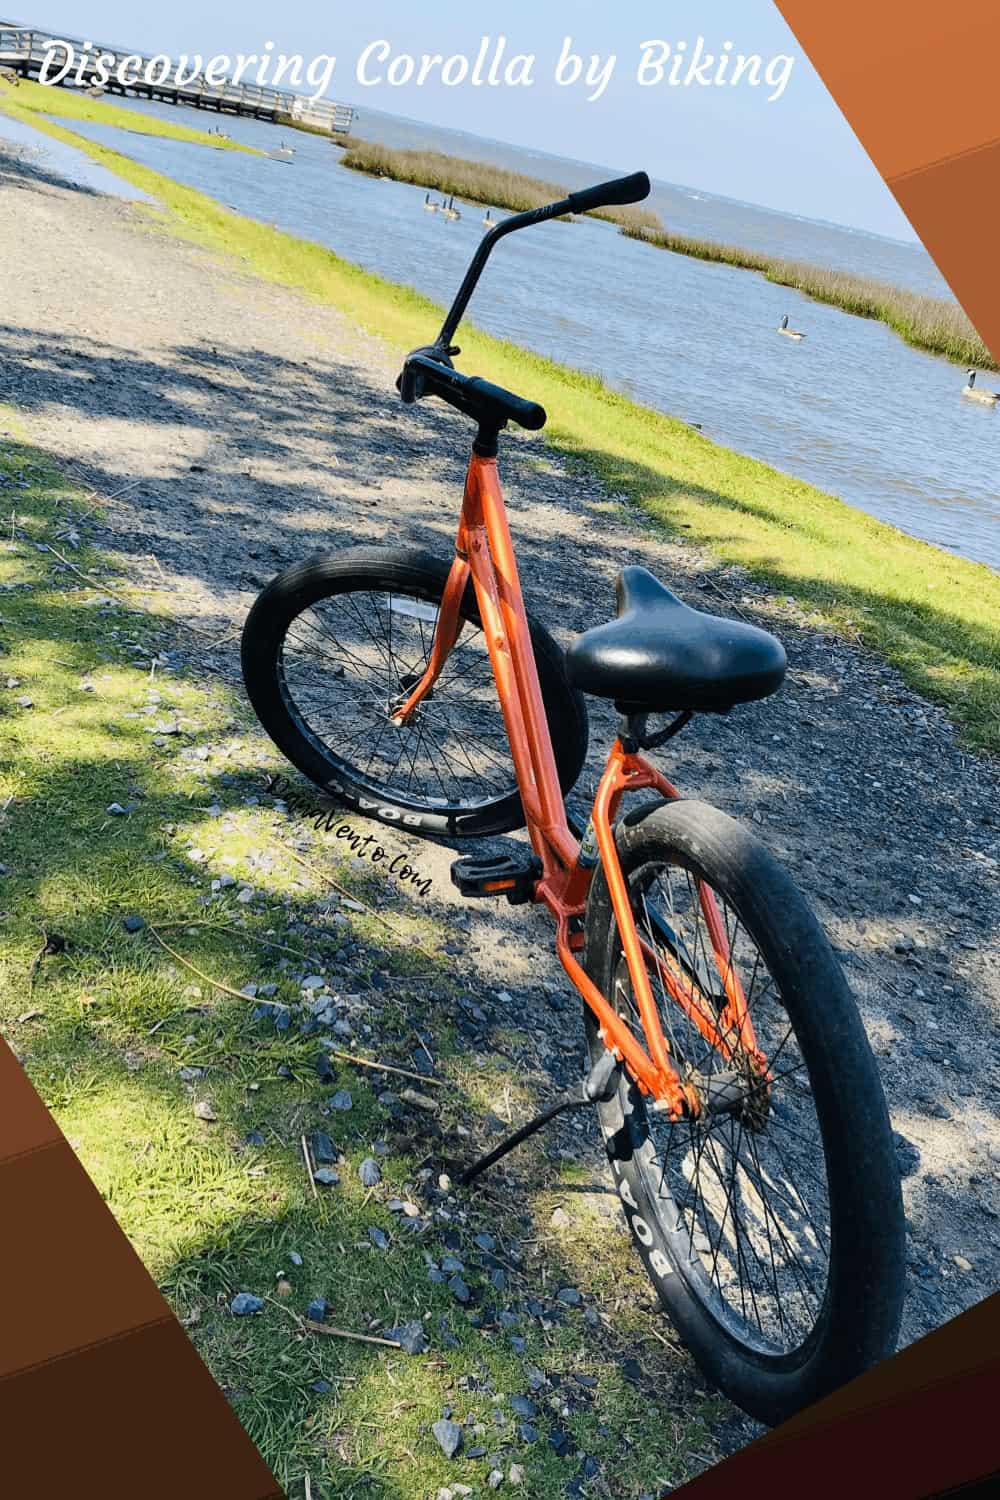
23	50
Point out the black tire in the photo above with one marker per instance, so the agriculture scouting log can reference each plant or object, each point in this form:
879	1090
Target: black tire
769	1370
413	579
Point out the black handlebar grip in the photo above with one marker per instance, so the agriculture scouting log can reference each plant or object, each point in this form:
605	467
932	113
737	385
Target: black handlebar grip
622	190
525	413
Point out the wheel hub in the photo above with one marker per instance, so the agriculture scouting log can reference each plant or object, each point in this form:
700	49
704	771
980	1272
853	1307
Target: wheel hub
740	1092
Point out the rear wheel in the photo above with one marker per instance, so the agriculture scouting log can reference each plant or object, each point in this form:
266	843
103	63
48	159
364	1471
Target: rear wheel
331	647
772	1229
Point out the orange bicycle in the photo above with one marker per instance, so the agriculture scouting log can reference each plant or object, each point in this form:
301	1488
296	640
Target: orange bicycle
744	1118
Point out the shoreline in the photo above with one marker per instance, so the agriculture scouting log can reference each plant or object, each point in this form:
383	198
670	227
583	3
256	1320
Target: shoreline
36	100
934	325
930	613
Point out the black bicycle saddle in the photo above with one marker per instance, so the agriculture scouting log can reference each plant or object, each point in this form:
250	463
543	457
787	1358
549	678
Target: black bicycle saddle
661	656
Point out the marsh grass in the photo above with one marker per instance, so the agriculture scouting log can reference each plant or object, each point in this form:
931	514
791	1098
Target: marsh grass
477	182
935	324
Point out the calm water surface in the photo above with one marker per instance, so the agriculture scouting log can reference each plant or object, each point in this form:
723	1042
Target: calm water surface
852	408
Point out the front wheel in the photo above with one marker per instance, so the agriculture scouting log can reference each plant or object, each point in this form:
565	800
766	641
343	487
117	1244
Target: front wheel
773	1228
330	649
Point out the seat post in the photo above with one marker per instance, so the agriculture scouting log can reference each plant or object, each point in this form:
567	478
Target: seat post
633	730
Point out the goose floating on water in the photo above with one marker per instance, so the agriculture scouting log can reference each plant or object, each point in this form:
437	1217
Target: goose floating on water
283	153
449	210
430	207
790	333
976	393
489	220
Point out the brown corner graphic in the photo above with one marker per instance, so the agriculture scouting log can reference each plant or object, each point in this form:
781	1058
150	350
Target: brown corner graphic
918	85
921	1425
97	1378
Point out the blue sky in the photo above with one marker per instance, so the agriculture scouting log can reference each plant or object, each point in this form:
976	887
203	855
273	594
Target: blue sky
796	153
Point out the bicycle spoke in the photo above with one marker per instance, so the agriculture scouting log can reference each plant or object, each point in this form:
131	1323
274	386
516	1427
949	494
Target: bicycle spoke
747	1192
347	659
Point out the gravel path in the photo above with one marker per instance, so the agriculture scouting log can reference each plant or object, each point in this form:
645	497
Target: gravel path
237	427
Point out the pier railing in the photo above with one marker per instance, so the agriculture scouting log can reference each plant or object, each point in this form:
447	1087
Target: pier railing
23	50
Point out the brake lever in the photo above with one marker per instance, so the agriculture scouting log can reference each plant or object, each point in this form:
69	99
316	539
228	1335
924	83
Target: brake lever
409	383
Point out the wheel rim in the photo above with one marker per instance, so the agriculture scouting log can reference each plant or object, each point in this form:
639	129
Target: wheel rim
349	659
741	1201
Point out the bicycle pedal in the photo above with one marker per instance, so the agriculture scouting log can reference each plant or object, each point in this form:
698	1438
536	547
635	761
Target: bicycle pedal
510	875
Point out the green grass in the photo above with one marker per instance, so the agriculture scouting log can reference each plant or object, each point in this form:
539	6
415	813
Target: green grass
28	100
935	324
476	181
934	616
104	1027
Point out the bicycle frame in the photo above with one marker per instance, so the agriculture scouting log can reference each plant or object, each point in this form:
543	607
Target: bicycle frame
484	549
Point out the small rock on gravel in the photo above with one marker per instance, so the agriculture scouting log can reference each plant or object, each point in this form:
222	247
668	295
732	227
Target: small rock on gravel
244	1304
327	1177
341	1100
410	1337
419	1101
448	1436
324	1152
369	1172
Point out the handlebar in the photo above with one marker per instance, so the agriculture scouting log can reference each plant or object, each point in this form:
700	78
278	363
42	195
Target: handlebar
621	190
630	189
423	375
430	370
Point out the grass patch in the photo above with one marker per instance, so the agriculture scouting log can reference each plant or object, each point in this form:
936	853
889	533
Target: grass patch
122	1039
477	181
27	100
934	616
935	324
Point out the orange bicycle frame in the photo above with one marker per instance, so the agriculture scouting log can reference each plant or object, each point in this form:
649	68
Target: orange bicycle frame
484	551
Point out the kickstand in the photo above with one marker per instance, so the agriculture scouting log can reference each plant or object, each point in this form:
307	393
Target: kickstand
597	1088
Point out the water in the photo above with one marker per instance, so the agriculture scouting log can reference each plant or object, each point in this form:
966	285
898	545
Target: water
686	210
69	164
851	409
